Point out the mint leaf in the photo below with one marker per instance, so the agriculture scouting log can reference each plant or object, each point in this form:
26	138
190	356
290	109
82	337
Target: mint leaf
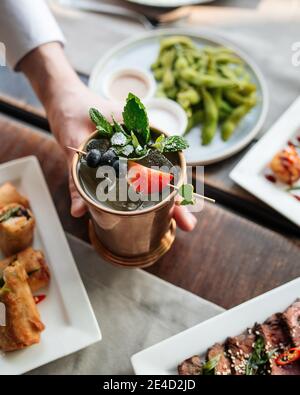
175	143
118	128
159	143
100	121
187	192
136	119
103	133
139	150
135	141
119	139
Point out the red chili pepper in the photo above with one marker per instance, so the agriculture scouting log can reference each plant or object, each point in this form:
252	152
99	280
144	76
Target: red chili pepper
39	298
292	355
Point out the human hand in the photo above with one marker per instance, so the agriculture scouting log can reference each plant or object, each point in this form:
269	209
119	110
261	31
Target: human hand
67	102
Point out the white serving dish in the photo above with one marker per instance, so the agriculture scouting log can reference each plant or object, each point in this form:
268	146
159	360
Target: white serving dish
163	358
143	50
250	171
66	312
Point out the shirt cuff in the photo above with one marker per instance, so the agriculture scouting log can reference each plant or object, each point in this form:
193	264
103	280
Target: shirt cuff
25	26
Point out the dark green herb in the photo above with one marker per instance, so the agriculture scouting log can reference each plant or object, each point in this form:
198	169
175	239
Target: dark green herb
170	144
124	151
257	361
174	144
102	125
208	369
159	143
118	128
13	212
186	191
136	118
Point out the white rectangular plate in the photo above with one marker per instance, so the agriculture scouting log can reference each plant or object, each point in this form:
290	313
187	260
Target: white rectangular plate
249	173
163	358
66	312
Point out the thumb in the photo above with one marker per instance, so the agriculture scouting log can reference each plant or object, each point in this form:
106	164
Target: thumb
78	207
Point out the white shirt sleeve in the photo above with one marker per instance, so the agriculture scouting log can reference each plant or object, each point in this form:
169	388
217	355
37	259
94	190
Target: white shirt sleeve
25	25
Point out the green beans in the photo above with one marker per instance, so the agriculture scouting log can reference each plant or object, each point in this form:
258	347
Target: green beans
210	123
212	84
231	123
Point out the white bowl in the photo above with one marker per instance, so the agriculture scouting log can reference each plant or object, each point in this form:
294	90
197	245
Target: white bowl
146	79
166	115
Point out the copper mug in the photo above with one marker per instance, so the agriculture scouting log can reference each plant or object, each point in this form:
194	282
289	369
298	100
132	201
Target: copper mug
135	238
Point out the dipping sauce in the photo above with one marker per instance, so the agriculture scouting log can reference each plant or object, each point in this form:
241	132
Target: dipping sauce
124	81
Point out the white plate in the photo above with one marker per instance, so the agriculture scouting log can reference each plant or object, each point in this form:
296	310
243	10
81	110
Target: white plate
249	172
143	50
163	358
169	3
66	312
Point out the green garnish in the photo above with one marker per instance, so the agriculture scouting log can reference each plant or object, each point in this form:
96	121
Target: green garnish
175	143
293	189
170	144
208	369
9	214
136	118
133	139
186	191
103	126
258	359
124	151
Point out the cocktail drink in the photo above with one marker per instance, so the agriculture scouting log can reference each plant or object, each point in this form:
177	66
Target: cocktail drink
129	174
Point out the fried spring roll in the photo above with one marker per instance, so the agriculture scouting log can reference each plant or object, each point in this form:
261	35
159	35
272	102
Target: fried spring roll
16	228
9	194
23	323
35	266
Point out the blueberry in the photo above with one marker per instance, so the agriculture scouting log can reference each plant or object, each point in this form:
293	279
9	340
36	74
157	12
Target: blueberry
93	158
108	158
100	144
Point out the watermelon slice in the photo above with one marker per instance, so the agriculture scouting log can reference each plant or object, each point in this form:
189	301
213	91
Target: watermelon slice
146	180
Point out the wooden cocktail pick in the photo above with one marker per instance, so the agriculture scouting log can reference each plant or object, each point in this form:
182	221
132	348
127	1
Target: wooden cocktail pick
196	195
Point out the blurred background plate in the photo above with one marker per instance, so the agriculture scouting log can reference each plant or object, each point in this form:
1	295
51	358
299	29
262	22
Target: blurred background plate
142	51
169	3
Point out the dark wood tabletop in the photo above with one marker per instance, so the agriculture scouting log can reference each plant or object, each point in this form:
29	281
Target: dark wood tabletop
227	259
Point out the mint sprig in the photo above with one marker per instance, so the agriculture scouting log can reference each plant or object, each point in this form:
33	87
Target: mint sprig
136	118
102	124
170	144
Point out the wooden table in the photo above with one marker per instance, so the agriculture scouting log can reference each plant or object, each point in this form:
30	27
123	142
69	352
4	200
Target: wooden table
227	259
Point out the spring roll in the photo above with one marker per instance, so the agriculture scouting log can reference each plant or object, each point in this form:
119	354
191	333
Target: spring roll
16	228
9	194
23	323
35	266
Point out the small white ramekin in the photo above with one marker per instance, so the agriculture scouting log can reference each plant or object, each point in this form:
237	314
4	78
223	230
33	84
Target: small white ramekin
177	123
135	72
